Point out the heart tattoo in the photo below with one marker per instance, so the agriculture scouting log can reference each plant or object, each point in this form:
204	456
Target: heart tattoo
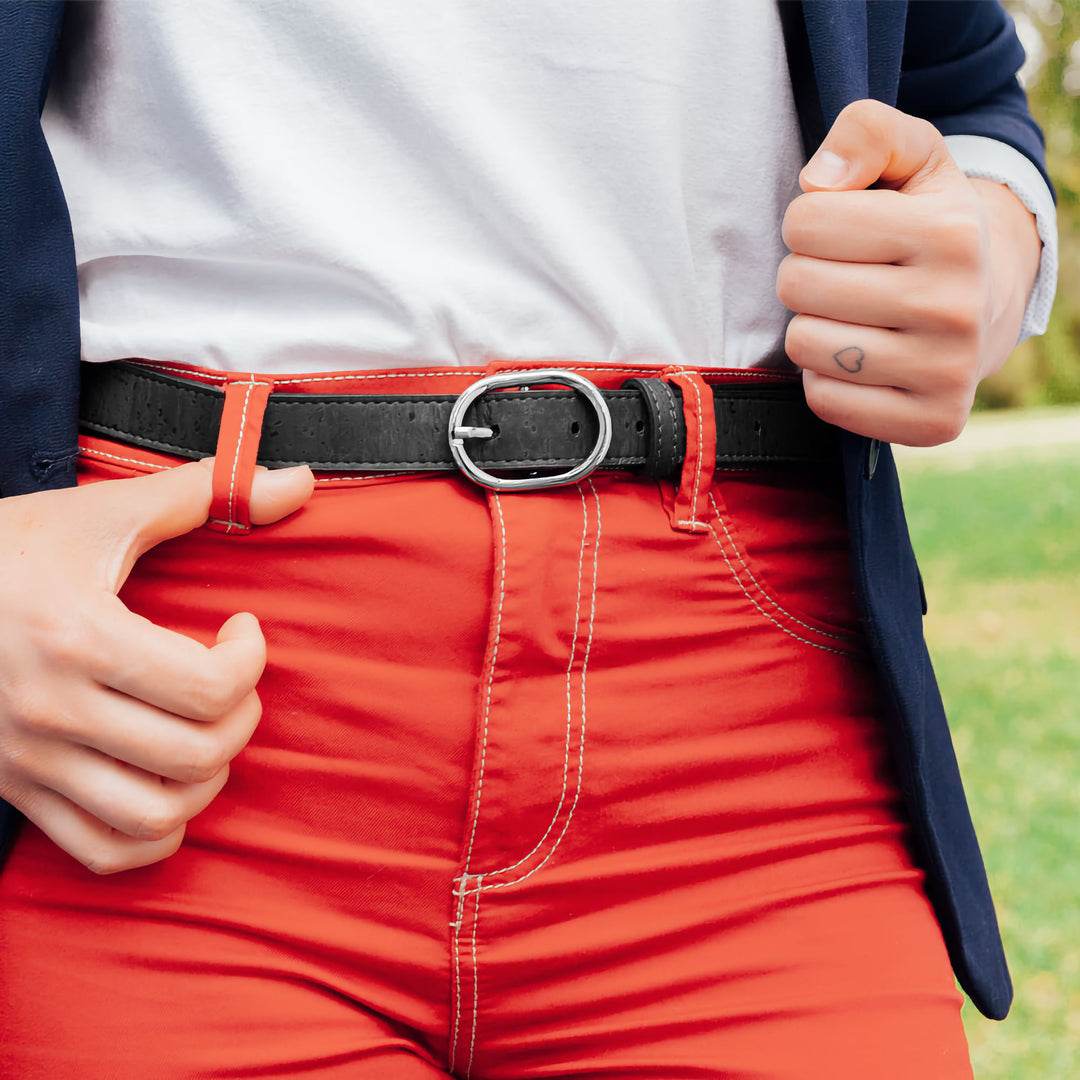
850	358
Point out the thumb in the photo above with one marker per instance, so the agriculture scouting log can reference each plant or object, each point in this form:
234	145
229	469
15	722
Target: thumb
165	504
870	143
276	493
241	640
119	520
130	521
175	501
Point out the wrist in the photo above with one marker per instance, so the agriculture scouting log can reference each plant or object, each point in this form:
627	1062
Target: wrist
1014	254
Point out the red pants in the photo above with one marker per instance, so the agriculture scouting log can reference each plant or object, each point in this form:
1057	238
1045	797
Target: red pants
582	782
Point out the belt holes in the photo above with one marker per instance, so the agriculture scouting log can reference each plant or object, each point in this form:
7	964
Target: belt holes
575	427
639	426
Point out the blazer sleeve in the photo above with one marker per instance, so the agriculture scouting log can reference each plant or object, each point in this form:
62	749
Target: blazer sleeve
959	72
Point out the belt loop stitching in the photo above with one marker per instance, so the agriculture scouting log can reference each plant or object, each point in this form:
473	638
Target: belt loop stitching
236	455
693	520
230	523
704	463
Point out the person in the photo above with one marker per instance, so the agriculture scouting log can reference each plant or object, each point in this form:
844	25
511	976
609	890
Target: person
627	776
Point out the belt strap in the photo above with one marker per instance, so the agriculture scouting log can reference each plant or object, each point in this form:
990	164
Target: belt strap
756	425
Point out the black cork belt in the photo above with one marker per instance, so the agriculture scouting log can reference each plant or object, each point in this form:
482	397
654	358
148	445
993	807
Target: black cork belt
554	434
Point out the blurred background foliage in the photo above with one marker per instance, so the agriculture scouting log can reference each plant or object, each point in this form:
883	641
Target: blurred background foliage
998	538
1046	370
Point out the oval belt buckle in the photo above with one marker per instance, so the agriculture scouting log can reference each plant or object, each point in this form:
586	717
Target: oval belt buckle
459	432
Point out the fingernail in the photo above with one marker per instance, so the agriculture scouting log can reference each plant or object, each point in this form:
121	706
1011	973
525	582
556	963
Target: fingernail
826	169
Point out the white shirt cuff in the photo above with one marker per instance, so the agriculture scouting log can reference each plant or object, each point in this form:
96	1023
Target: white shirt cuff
989	159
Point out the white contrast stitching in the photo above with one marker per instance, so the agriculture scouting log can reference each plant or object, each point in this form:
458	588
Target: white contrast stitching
194	376
222	376
765	592
229	525
239	445
479	886
360	477
491	675
236	456
476	988
776	622
464	889
693	523
483	761
581	746
569	708
462	372
87	451
456	927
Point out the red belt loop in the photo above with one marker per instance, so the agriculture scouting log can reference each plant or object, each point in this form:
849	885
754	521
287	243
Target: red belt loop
237	449
690	510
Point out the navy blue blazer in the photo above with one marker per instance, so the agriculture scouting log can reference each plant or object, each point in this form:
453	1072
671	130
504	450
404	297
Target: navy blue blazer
953	63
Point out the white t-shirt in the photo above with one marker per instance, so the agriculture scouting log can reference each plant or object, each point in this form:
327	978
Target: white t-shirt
290	186
302	186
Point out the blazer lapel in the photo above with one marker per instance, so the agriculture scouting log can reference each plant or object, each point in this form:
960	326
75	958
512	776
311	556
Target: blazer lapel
841	51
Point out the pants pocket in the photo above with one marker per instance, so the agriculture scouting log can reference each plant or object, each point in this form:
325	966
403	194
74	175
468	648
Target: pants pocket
784	537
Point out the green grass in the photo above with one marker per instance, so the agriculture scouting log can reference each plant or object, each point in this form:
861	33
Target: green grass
999	546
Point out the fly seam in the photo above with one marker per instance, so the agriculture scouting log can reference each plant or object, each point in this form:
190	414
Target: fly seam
569	709
483	761
236	456
491	676
480	887
476	989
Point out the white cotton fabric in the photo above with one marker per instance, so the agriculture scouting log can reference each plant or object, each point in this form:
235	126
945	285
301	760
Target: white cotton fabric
306	186
290	186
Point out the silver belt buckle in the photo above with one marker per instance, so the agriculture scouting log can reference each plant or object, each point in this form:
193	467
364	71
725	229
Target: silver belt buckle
459	431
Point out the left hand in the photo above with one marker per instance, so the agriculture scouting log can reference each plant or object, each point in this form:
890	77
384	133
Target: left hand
906	294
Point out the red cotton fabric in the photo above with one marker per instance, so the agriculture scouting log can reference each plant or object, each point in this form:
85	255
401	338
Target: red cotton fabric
547	785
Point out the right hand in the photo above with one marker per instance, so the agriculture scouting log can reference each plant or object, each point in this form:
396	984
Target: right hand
115	732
